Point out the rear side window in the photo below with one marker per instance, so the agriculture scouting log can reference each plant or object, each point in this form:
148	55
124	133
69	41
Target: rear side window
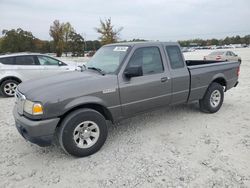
175	57
25	60
7	60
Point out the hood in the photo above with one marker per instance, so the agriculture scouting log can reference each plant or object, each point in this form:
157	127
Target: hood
68	84
74	64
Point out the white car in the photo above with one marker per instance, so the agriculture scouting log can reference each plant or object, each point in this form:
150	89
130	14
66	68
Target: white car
222	56
16	68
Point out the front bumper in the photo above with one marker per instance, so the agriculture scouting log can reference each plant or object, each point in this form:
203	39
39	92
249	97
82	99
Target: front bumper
38	132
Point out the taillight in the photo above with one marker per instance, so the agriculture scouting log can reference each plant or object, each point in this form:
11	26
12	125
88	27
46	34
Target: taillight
218	57
238	71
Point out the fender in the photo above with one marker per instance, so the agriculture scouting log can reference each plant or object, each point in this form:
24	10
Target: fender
7	74
84	100
220	78
89	102
10	78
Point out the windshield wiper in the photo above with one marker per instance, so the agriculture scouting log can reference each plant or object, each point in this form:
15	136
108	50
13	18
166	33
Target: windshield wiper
98	70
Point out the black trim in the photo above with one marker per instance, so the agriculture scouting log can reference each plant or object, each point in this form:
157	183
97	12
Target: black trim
236	83
41	141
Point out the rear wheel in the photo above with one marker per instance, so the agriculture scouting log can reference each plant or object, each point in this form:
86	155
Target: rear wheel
8	88
82	133
213	98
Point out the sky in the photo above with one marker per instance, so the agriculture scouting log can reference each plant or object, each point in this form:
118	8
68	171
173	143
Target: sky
163	20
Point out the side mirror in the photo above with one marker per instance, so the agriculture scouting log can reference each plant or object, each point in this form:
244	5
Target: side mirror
83	67
133	71
61	63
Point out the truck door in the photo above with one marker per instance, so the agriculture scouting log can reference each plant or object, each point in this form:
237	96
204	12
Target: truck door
180	77
152	88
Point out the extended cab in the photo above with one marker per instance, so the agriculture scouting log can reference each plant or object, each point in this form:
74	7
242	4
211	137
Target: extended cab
121	80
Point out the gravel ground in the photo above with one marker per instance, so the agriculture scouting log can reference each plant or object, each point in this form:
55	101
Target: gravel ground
172	147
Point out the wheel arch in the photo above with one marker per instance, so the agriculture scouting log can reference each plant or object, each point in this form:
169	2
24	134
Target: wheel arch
220	80
91	105
10	78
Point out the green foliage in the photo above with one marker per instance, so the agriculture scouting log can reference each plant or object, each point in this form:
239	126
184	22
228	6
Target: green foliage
76	44
57	33
66	39
42	46
68	30
92	45
17	40
1	39
228	40
107	31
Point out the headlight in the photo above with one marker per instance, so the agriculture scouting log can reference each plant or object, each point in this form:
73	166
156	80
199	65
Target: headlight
33	108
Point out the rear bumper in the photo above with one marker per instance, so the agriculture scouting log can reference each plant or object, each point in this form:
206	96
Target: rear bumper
38	132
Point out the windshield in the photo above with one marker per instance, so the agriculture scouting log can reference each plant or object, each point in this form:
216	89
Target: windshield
108	58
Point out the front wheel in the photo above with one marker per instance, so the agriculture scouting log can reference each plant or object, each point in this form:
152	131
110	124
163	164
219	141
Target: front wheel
83	132
213	98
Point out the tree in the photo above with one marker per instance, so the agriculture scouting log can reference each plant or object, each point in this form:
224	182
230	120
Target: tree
237	40
92	45
76	44
247	39
57	31
17	40
108	33
1	41
68	30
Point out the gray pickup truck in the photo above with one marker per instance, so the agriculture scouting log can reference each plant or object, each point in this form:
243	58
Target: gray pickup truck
120	81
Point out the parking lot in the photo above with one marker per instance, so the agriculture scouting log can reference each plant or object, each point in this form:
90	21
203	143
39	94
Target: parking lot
169	147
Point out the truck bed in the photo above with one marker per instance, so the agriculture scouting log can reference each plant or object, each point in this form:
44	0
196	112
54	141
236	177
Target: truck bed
202	73
200	62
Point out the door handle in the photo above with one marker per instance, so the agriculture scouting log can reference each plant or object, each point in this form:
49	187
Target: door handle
164	79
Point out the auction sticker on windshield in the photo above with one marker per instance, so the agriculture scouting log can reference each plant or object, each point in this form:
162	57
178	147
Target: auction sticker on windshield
120	48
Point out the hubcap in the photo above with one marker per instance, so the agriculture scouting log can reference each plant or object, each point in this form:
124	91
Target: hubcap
10	88
86	134
215	98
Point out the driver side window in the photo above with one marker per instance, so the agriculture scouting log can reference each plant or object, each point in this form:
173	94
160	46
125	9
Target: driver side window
43	60
149	58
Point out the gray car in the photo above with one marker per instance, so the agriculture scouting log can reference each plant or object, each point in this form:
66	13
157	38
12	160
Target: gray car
120	81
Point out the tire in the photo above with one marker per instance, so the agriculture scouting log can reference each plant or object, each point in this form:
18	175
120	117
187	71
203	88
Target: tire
8	88
82	133
213	98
